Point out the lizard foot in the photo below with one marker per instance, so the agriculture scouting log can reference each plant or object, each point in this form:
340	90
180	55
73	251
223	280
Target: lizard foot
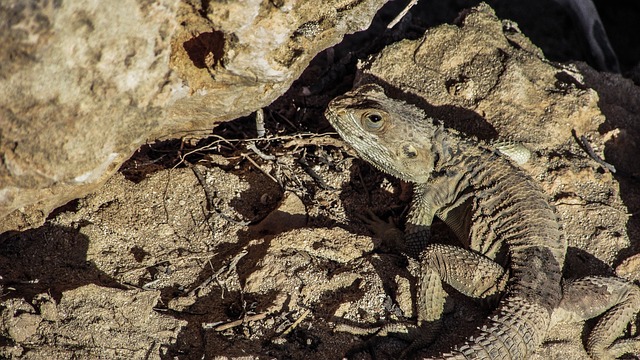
387	231
625	346
419	337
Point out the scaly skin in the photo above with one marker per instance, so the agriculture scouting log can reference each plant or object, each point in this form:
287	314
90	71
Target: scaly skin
591	296
498	211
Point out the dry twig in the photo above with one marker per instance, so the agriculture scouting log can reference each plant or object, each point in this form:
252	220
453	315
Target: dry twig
235	323
584	143
402	14
297	322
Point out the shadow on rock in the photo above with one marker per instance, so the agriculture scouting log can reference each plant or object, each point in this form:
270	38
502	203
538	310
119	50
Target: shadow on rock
49	259
619	103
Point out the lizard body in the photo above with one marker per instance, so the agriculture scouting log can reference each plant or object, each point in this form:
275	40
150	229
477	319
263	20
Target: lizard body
500	214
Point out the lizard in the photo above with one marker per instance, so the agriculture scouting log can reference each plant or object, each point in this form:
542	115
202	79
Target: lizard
502	217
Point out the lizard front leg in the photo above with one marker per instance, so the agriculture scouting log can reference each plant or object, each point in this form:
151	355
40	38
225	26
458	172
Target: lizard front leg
470	273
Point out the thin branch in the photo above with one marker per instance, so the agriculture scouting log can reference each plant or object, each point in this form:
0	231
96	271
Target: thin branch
402	14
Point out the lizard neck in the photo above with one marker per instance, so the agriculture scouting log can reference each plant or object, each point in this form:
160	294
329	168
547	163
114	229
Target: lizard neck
450	149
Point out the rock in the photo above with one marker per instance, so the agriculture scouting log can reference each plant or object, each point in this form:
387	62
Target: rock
122	320
486	78
290	214
48	307
24	326
19	320
83	84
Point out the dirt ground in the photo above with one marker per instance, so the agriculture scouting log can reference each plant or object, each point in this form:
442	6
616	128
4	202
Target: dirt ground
223	245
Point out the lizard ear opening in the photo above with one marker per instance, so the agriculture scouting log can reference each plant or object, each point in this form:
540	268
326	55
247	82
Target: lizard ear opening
409	151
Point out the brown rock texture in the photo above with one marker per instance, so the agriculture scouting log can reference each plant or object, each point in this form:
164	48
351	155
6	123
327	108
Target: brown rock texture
83	84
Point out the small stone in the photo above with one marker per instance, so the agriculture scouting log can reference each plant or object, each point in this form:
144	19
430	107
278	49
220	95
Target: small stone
23	326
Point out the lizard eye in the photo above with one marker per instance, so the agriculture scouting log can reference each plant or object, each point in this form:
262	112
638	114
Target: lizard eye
373	120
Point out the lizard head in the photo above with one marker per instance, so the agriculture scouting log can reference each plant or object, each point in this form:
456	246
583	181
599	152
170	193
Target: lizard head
392	135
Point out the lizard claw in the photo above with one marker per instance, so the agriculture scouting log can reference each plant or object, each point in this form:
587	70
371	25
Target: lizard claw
377	226
418	337
387	231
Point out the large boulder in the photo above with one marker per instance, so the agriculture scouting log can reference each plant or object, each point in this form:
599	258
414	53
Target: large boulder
84	83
